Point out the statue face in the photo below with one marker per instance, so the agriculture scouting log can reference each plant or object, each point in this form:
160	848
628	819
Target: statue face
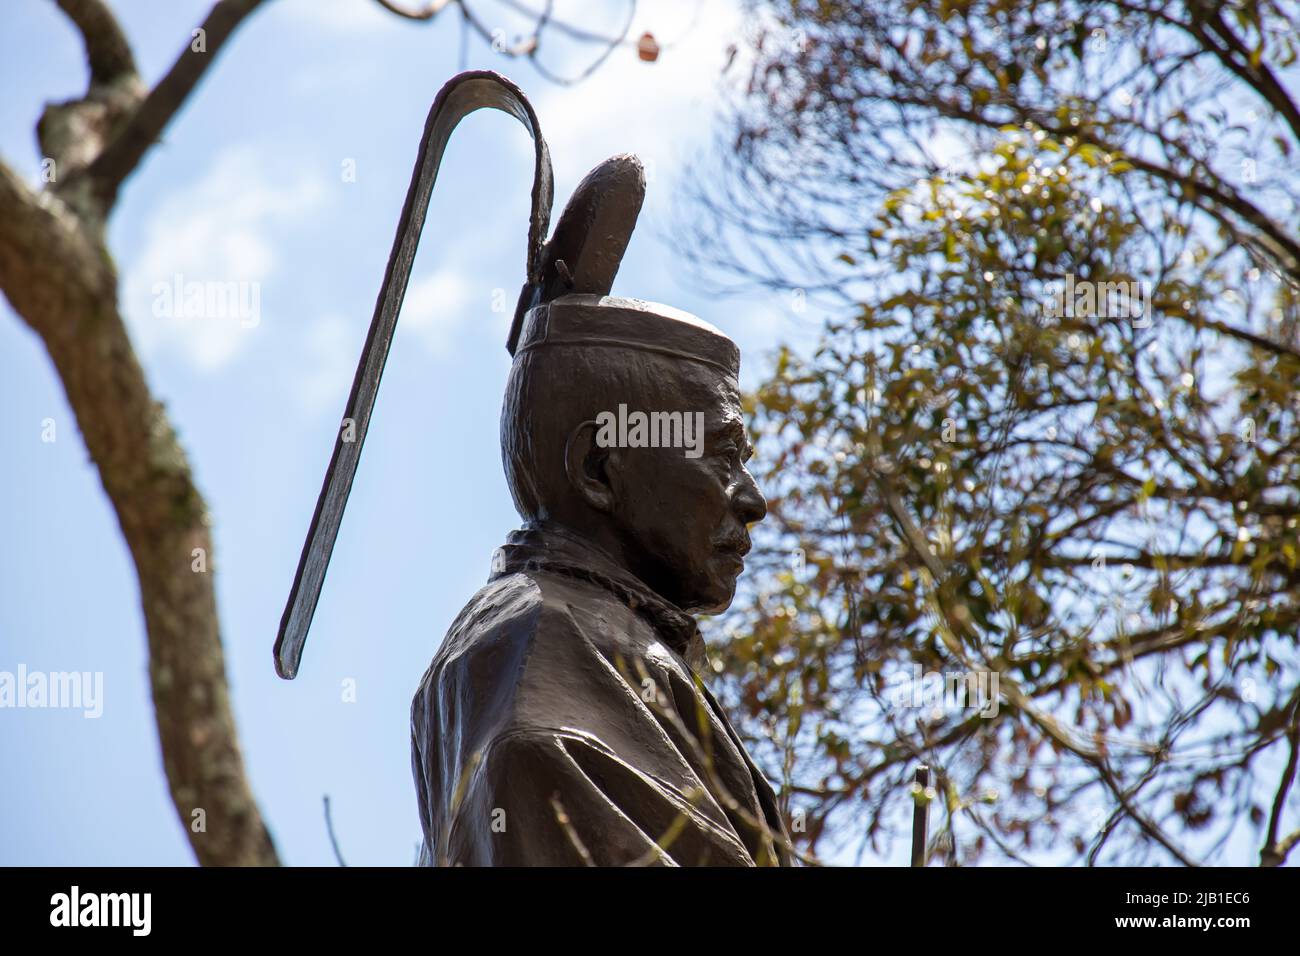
682	512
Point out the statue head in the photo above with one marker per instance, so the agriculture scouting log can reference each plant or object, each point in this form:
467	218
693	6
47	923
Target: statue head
622	423
587	368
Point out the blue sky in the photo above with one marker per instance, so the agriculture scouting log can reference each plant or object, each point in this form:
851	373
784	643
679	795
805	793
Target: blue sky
248	186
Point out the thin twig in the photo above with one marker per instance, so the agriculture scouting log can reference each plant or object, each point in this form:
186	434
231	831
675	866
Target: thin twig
329	828
426	13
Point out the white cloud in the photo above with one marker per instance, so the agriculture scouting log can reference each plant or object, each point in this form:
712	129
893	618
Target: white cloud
346	16
435	313
214	232
332	345
435	309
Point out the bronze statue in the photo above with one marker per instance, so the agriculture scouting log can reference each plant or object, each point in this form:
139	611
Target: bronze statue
563	721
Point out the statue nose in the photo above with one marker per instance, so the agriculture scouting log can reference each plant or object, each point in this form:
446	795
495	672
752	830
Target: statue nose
749	504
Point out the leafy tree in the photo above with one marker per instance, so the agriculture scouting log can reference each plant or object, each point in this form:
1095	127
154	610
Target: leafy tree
1091	496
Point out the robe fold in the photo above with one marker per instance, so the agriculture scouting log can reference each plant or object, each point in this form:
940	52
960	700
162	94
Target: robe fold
562	723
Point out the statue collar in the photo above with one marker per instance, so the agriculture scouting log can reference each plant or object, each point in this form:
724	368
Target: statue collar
545	547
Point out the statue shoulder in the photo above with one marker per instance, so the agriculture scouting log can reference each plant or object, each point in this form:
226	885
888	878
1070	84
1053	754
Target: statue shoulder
515	642
503	622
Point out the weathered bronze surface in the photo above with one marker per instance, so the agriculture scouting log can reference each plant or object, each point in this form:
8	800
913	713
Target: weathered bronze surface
563	720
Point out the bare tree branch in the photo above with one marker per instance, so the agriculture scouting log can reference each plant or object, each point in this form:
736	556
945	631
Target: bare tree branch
72	133
1237	58
528	46
58	276
120	158
107	49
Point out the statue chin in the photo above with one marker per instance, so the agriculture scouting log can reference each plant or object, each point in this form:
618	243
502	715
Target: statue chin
703	590
715	596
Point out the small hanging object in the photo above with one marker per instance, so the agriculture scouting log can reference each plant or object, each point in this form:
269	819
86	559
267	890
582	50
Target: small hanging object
647	47
578	263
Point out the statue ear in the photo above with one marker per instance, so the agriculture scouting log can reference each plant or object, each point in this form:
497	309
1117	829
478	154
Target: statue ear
588	463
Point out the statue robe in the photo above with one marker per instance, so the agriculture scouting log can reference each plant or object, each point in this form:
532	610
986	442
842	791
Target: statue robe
560	724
